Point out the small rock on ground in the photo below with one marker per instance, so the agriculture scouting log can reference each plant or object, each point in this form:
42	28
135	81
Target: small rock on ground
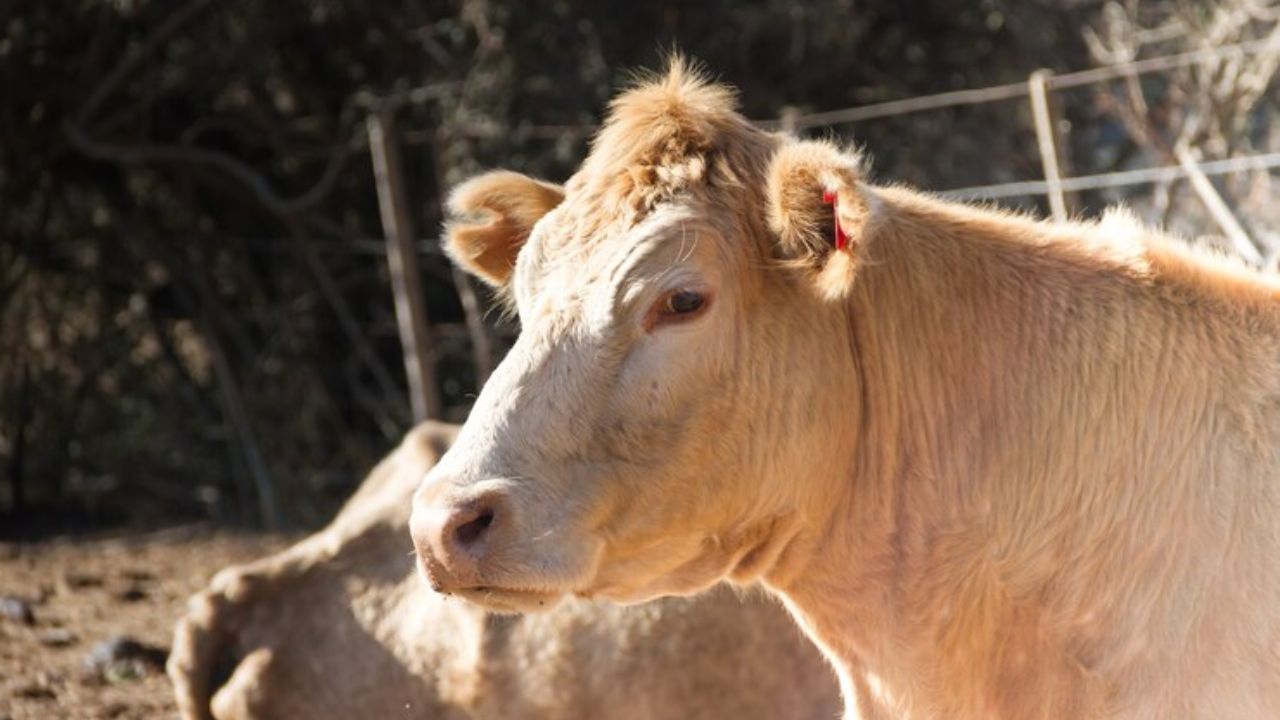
58	638
17	609
122	658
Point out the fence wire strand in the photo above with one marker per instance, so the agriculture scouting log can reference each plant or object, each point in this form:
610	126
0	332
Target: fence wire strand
1123	178
972	96
994	93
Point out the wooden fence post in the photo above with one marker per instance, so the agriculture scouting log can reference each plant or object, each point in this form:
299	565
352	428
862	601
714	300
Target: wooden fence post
1047	140
402	259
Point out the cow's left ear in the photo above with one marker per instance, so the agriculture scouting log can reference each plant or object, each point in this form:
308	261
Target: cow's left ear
819	213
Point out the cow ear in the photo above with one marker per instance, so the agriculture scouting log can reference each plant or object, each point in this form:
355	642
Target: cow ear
494	215
819	213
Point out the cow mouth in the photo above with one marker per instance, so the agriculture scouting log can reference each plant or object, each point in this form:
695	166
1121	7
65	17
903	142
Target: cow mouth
510	600
500	598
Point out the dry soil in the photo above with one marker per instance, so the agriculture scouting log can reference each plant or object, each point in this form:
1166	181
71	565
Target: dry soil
83	593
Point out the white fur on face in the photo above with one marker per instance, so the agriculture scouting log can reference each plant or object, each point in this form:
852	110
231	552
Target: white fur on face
615	439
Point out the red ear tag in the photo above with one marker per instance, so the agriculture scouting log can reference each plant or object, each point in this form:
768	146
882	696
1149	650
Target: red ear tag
830	197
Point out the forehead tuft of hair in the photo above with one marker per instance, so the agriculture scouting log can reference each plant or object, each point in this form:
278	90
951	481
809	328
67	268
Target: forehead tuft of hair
664	118
668	132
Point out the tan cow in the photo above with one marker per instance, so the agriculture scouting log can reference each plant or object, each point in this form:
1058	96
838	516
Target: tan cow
996	468
339	627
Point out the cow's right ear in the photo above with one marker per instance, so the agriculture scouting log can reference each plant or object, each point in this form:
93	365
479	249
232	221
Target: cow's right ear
493	215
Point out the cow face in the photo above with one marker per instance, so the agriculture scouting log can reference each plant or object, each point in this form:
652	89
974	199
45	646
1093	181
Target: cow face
651	430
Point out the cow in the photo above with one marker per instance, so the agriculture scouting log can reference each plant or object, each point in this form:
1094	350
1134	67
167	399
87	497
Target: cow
339	626
995	467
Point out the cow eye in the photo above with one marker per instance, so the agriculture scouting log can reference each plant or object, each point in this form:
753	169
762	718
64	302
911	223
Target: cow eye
683	302
676	307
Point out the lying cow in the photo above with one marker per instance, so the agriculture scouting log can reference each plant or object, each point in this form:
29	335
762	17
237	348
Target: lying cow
340	627
996	468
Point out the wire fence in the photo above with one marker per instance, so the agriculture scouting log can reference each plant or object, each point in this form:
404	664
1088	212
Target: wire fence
1052	186
1051	141
1009	91
1123	178
792	121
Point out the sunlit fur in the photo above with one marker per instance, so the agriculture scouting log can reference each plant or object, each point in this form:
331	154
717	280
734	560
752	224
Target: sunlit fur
997	468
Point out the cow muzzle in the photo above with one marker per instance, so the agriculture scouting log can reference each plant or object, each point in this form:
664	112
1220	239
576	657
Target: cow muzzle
454	539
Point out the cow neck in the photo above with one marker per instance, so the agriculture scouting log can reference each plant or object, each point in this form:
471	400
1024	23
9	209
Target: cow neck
939	318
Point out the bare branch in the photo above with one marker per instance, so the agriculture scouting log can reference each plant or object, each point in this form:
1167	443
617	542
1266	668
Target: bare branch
246	176
129	65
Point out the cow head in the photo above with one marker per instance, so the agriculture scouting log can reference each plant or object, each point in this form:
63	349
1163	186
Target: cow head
684	348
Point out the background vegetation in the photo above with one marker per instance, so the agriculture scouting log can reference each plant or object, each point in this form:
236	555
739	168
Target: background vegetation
192	291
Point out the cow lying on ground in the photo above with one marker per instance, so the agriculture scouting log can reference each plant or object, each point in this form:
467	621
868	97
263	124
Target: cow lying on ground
996	468
339	627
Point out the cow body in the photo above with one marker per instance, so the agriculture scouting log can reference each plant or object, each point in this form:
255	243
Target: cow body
996	468
338	626
1066	477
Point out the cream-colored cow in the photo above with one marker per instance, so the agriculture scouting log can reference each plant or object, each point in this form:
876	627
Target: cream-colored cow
996	468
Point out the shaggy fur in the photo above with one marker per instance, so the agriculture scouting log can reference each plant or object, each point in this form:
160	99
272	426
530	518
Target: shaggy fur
338	627
996	468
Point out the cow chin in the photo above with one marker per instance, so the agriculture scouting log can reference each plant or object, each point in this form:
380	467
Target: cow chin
511	601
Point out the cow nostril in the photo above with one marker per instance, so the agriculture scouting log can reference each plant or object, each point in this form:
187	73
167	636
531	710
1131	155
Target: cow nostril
469	532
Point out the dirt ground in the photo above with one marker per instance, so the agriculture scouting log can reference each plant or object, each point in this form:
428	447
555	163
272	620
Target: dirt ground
81	594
